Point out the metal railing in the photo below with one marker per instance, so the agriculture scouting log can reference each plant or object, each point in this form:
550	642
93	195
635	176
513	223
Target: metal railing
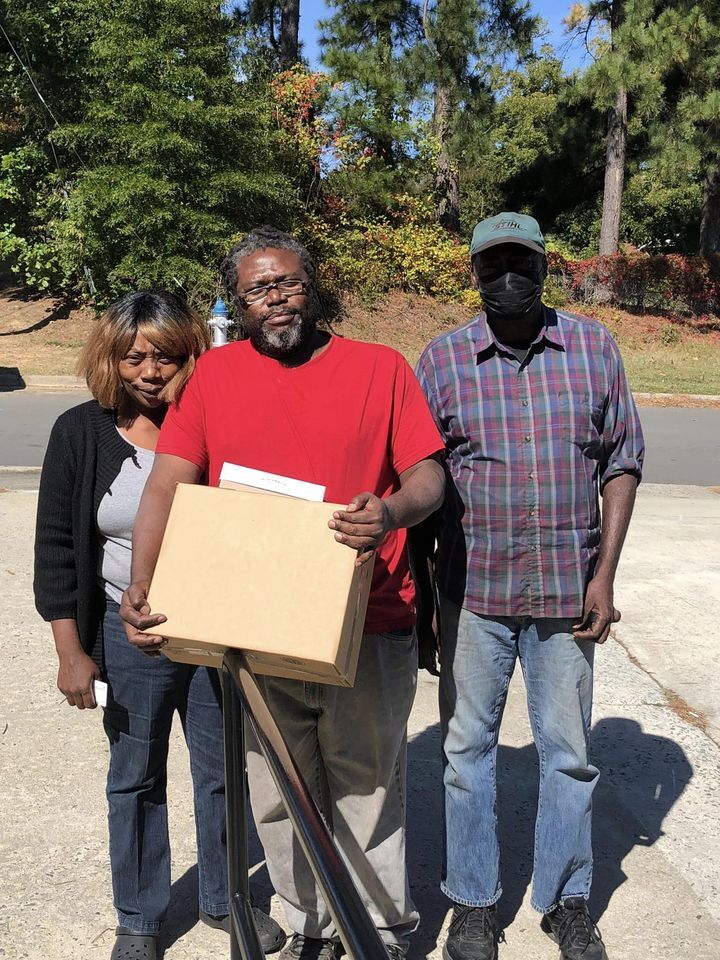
242	697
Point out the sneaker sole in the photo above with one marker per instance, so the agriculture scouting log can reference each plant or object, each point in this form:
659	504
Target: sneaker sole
448	956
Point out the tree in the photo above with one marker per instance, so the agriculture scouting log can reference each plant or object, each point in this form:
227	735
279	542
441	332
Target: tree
687	45
280	23
366	45
622	69
43	55
465	39
582	19
615	157
177	156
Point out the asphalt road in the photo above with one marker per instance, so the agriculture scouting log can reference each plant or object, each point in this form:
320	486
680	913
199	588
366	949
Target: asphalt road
683	445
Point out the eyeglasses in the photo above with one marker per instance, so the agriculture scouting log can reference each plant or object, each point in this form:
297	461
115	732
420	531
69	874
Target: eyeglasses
288	288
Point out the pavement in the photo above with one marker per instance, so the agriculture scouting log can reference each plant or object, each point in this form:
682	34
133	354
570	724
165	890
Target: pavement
655	737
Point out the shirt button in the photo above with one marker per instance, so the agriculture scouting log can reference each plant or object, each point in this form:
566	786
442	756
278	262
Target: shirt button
528	438
532	513
533	549
531	475
525	403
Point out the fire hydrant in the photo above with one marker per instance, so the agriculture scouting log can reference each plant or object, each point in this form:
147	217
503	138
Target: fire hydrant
219	321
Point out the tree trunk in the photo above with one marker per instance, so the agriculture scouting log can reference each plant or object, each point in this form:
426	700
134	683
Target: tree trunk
614	174
710	217
447	186
383	121
289	27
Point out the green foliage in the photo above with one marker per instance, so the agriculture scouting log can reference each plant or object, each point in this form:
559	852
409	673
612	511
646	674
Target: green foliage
366	47
168	159
406	250
661	208
686	137
50	41
176	132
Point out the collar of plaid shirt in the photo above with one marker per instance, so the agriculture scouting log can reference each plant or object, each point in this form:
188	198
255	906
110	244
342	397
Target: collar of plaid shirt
486	343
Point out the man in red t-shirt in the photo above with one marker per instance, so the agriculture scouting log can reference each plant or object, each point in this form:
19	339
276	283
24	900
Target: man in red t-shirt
294	400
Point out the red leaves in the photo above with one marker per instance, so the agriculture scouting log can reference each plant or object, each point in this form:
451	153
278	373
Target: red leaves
670	281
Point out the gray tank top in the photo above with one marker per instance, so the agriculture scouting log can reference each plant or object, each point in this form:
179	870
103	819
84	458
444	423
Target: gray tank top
115	521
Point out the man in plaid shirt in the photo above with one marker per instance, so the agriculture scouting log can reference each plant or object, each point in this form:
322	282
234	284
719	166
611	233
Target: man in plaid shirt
538	420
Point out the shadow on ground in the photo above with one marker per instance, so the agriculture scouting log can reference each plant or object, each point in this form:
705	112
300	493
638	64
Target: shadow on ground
61	311
642	775
11	379
183	912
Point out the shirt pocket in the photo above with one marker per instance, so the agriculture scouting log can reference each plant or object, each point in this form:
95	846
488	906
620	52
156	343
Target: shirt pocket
579	418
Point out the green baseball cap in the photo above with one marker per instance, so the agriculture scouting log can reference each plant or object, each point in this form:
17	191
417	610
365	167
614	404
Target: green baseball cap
507	228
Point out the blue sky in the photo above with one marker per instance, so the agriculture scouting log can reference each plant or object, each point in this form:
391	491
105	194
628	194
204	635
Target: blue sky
552	11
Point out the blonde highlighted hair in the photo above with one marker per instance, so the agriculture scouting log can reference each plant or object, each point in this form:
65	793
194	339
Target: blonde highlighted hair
164	319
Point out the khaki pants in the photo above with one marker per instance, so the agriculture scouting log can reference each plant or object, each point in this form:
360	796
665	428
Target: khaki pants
350	746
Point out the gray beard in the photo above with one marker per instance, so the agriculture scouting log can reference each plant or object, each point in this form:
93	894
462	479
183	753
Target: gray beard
278	344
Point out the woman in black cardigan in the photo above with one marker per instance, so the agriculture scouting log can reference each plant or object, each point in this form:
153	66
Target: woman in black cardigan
138	359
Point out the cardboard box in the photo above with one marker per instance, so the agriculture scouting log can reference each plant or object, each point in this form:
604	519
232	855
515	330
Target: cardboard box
264	574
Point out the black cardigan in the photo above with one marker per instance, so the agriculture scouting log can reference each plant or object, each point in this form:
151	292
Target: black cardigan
84	455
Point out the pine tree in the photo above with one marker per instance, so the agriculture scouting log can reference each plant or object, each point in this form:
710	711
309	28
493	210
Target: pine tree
177	156
466	38
624	69
279	23
366	46
687	47
616	143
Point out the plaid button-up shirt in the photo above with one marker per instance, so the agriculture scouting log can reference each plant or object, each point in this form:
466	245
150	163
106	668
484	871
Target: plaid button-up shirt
529	446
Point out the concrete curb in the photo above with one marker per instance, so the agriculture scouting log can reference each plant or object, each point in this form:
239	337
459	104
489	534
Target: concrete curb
14	380
683	399
63	382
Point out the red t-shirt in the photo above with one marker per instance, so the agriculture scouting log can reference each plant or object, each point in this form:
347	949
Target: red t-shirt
352	419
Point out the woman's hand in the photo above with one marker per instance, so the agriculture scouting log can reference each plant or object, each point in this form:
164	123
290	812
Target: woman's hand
76	674
77	670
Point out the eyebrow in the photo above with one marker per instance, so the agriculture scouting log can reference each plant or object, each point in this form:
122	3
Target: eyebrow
134	351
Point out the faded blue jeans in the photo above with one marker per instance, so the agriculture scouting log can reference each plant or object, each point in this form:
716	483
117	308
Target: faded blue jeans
144	693
477	661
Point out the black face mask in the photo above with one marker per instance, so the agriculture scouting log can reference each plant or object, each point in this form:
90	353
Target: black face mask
511	294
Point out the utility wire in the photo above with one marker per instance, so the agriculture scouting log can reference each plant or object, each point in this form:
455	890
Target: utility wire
40	97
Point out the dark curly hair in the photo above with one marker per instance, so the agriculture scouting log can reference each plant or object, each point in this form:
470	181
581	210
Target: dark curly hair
261	238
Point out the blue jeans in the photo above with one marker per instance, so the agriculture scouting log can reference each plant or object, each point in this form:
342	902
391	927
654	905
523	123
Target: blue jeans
143	695
478	659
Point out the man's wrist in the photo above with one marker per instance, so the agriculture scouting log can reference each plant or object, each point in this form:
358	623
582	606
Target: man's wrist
390	518
604	577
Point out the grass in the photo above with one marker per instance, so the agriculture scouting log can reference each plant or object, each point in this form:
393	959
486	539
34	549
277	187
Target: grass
680	368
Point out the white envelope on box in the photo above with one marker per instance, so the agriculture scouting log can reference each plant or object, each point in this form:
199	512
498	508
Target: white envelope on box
235	477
